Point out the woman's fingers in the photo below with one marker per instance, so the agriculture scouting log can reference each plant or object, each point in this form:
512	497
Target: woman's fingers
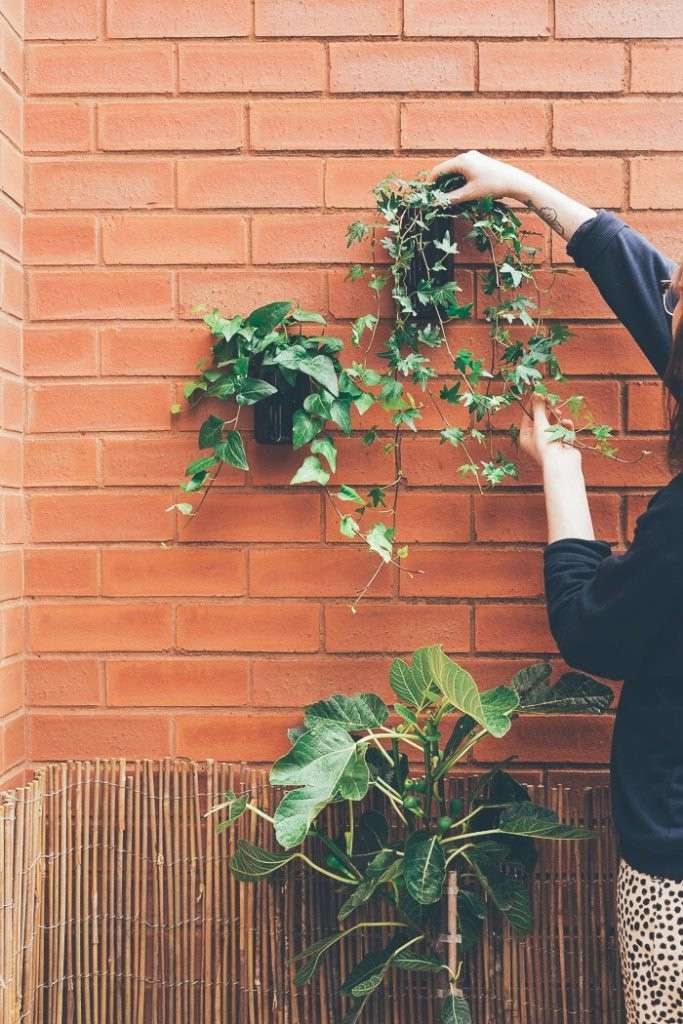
451	166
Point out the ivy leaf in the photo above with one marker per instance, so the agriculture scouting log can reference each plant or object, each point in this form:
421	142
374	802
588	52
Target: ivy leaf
348	527
302	316
360	326
210	432
310	471
183	507
325	446
346	493
266	318
251	390
304	428
231	450
380	538
321	369
196	467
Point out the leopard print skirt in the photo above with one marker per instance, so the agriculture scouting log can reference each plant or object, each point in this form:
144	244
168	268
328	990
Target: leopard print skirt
650	935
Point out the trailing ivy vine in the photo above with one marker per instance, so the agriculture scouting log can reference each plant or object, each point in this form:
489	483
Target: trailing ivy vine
416	231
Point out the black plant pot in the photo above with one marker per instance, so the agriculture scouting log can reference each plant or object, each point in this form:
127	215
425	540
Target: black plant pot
273	416
418	270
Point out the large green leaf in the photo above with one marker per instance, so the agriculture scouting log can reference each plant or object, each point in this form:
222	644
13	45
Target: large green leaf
317	759
382	868
424	867
210	432
355	780
371	971
321	369
295	813
526	819
490	709
471	914
250	863
234	805
497	705
266	318
407	960
304	428
313	955
461	730
411	684
311	471
573	691
372	833
455	1010
359	711
231	450
251	390
519	912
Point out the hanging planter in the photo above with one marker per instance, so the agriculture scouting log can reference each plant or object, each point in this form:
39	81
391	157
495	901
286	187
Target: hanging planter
433	264
274	416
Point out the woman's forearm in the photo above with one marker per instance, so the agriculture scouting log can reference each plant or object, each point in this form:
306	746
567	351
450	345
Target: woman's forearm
561	212
566	501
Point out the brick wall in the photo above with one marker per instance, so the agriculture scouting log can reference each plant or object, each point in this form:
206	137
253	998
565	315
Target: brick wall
12	717
214	153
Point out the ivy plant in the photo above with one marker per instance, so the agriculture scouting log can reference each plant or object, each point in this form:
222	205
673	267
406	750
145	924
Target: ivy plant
382	393
388	868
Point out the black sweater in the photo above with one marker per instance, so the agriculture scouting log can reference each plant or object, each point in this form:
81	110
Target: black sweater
620	615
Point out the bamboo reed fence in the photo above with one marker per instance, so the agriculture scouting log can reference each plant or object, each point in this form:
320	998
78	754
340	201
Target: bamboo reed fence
117	906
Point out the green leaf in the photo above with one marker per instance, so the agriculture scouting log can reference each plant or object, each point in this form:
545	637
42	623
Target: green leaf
382	868
424	867
526	819
266	318
455	1010
210	432
372	832
325	446
573	691
409	685
304	428
348	526
355	780
231	450
360	711
302	316
406	714
371	971
295	814
313	956
249	863
251	390
183	507
321	369
236	806
407	960
311	471
317	760
380	539
341	415
346	493
201	464
498	704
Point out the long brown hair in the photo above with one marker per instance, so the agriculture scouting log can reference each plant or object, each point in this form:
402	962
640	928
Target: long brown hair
673	383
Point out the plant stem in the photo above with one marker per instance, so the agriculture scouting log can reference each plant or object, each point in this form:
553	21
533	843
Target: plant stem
324	871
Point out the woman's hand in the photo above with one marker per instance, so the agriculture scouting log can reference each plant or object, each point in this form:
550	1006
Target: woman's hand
536	442
485	177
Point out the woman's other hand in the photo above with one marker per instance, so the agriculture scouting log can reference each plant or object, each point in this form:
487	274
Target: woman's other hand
535	440
485	177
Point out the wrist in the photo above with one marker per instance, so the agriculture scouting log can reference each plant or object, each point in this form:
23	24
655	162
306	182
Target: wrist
522	185
562	461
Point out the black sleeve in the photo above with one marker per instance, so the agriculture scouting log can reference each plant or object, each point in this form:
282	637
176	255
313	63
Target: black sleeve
628	271
604	609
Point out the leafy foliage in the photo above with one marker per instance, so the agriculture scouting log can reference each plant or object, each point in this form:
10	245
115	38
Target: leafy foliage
393	879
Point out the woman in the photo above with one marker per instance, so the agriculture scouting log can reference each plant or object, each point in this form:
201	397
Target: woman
621	616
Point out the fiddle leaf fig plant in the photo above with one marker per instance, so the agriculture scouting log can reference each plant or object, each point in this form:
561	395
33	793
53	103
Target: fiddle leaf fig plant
379	394
388	868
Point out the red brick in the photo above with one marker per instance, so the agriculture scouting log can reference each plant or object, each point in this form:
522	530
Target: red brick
357	463
246	182
10	345
12	171
234	291
106	294
512	627
349	180
100	184
323	124
59	461
170	124
99	516
631	124
351	298
174	238
572	296
634	469
56	572
56	407
255	626
11	629
59	238
57	126
178	682
104	735
160	349
11	574
307	238
12	517
166	572
584	19
656	183
14	740
401	67
10	229
73	19
331	572
462	18
12	288
111	626
166	18
295	682
599	349
12	404
12	49
522	517
328	18
433	516
62	681
551	67
234	737
488	124
636	505
471	572
396	627
11	111
10	461
155	460
60	351
265	517
552	739
657	67
11	687
100	68
646	406
251	67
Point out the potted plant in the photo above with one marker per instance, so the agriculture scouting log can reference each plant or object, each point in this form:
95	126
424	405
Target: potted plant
389	869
